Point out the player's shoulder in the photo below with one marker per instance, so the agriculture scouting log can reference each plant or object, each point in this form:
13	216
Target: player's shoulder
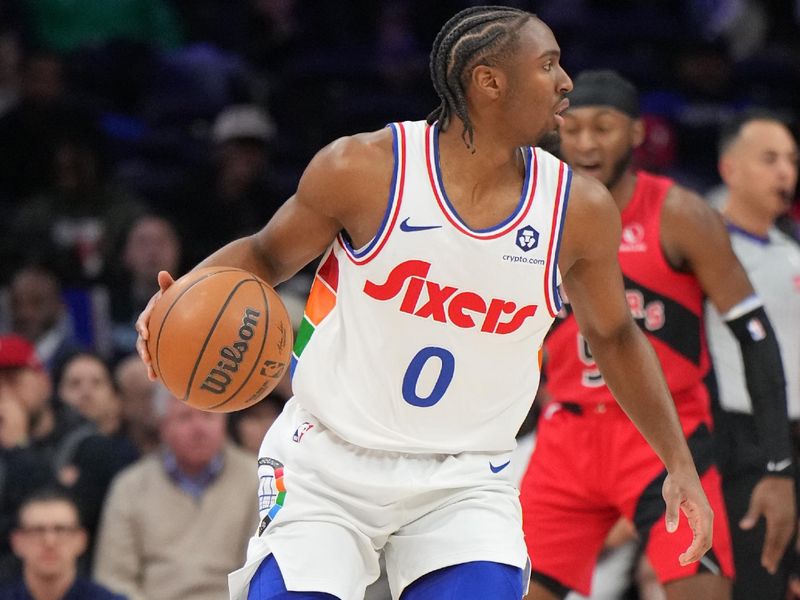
685	210
592	226
357	153
349	168
589	199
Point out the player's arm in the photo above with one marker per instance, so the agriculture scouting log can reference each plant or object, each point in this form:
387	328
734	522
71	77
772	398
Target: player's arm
344	187
695	238
593	282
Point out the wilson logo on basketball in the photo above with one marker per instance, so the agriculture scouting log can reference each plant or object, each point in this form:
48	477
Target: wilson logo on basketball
445	303
219	378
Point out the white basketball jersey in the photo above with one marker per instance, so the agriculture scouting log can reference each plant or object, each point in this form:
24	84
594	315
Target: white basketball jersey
773	266
428	339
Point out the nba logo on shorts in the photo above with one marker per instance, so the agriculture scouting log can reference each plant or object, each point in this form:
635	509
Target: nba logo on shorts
527	238
301	431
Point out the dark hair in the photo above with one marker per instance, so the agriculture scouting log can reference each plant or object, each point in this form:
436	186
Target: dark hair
49	493
61	367
482	33
731	128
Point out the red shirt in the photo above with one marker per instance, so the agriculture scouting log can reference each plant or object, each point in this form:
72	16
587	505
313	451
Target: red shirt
666	304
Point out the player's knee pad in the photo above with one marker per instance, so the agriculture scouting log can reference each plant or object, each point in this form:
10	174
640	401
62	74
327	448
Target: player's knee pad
468	581
268	584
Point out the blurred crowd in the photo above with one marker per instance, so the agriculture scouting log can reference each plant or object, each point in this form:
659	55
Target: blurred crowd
140	135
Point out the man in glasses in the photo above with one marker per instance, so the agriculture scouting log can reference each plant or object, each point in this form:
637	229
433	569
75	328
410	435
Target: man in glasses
49	539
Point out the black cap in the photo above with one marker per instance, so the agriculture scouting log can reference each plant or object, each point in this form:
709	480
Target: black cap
605	87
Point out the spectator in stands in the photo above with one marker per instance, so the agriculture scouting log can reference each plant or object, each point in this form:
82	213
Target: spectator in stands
56	431
86	384
38	313
31	128
80	214
49	540
236	195
23	470
171	528
150	245
135	391
79	457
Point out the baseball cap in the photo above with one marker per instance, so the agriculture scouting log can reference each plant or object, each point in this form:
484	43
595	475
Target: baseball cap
18	353
242	121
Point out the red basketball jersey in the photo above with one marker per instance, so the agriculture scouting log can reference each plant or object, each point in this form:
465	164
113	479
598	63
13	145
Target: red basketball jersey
666	304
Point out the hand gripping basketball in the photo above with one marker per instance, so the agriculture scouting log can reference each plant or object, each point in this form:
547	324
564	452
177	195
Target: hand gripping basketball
219	338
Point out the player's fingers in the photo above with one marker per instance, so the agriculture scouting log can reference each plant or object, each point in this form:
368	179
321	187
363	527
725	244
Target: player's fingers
143	321
777	537
694	552
672	513
794	588
701	520
164	280
752	516
144	353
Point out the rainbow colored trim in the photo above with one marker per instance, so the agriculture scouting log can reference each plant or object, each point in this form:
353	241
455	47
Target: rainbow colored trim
321	301
279	500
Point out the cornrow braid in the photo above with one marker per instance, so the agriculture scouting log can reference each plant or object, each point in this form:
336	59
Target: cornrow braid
485	33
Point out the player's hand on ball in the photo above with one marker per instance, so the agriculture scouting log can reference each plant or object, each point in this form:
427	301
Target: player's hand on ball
164	281
683	493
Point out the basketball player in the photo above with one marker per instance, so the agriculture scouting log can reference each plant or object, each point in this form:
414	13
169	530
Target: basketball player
417	358
758	164
674	252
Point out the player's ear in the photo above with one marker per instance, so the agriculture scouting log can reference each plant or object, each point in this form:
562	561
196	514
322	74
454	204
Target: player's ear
487	80
725	168
638	132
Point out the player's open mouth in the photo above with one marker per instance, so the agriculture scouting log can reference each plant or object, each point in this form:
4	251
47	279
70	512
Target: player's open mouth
591	169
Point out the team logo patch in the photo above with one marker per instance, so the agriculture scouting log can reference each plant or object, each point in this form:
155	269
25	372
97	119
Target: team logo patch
632	238
301	431
527	238
271	490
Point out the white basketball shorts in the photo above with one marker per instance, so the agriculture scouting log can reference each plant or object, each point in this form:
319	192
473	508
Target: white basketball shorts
328	508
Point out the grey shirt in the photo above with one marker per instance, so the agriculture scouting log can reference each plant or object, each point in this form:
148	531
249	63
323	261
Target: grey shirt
773	266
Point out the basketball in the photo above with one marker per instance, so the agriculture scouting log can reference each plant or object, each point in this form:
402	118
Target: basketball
220	339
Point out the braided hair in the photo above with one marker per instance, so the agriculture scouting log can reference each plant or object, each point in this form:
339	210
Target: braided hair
482	33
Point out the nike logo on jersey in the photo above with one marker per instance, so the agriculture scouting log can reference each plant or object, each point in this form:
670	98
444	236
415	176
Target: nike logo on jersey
780	465
405	226
499	468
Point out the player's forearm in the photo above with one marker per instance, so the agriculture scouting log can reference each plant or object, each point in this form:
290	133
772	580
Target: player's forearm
244	253
631	369
766	384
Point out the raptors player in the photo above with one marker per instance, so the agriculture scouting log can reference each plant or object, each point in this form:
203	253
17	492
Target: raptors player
674	251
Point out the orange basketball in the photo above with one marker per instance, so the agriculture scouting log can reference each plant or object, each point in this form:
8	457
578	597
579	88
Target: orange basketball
220	339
